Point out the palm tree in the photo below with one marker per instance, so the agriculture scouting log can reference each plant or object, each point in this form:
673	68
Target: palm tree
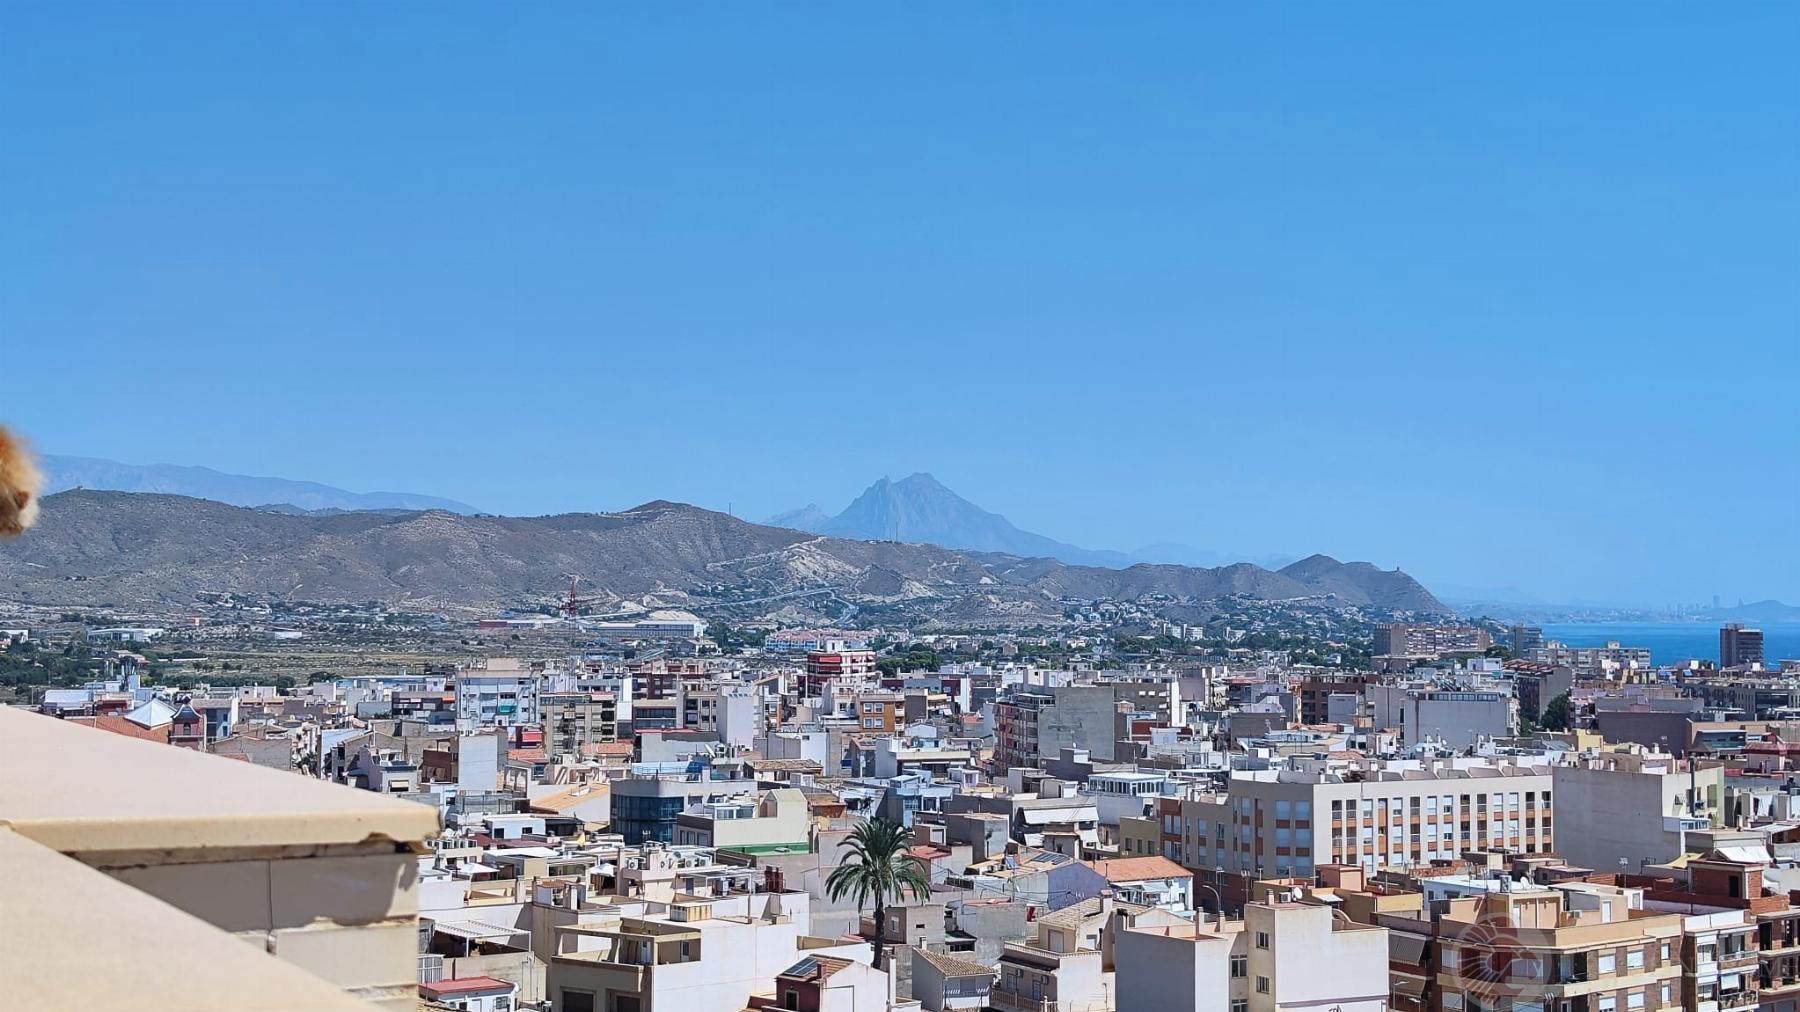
878	867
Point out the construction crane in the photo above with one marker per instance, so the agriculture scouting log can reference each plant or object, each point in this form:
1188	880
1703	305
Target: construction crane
572	605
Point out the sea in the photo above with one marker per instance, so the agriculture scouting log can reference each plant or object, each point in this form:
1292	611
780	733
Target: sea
1673	642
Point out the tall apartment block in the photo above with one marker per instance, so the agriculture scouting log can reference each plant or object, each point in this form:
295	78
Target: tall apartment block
1739	646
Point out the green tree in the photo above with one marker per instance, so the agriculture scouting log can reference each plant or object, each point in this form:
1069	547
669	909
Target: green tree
877	867
1557	714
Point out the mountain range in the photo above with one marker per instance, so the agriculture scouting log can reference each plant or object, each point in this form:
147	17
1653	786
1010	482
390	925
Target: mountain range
64	473
137	552
920	509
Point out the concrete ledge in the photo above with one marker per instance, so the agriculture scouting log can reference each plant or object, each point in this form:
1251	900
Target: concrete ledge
322	876
82	791
264	895
80	940
368	956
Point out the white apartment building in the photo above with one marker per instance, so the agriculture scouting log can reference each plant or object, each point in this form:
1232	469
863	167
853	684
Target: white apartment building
1634	806
1124	794
731	711
503	694
1281	956
702	956
1287	821
1459	717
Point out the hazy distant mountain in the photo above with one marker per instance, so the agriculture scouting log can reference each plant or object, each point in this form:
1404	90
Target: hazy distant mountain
1756	611
807	518
237	489
1323	574
330	511
1188	555
920	509
130	552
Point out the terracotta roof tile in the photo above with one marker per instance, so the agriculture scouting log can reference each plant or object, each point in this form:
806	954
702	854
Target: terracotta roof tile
119	725
954	966
1133	869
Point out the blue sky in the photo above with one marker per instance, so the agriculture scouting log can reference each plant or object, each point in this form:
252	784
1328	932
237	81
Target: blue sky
1507	300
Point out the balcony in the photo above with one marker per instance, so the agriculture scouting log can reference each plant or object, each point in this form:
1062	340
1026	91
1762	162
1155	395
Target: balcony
1009	1002
1739	959
141	871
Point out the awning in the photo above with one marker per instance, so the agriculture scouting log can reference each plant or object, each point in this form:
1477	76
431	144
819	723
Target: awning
1406	947
477	868
1050	816
476	931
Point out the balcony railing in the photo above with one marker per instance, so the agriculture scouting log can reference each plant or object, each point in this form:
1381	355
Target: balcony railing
1010	1002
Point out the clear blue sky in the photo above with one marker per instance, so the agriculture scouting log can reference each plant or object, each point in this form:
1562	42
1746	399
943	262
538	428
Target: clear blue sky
1505	298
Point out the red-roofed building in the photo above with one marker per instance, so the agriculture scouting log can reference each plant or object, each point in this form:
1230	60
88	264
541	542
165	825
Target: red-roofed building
1153	881
473	994
119	725
827	984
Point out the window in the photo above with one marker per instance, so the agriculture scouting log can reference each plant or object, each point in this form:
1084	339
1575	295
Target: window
1667	992
1634	959
1262	985
576	1001
1262	940
1240	1005
1634	1000
1608	962
1608	1003
1664	955
1240	966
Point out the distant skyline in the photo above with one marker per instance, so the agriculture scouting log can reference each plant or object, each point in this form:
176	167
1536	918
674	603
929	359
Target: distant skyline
1503	301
